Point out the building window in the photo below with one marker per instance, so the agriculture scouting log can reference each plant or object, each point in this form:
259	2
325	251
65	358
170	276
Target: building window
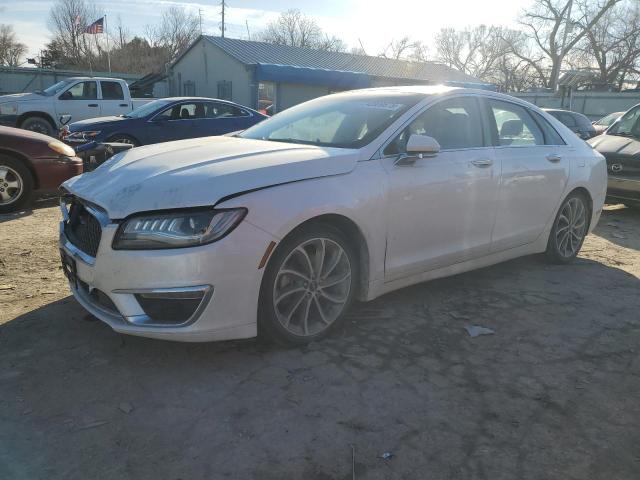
267	98
189	88
224	90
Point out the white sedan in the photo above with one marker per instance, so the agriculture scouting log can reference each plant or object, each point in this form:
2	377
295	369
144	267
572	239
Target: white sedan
349	196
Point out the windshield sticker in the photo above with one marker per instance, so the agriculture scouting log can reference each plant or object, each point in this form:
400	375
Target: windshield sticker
384	105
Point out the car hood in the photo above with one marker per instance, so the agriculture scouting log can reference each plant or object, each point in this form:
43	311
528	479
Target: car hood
81	125
20	96
202	171
616	146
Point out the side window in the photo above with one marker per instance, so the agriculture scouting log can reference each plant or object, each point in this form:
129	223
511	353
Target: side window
567	119
81	91
187	111
551	136
514	126
223	110
112	91
454	123
166	114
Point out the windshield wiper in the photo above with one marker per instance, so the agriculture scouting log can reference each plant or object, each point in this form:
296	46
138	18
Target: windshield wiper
622	134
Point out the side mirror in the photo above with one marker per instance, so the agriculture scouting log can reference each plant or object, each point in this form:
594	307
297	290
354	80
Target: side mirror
65	96
418	146
64	119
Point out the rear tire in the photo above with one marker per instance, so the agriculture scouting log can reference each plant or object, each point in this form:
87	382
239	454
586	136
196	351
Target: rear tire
38	125
308	286
16	184
569	229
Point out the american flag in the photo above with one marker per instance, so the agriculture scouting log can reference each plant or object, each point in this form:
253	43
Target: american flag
95	27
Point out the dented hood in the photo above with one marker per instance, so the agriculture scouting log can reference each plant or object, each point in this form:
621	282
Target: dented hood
201	171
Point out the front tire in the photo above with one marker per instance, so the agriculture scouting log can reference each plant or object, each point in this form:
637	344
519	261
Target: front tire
308	286
16	184
569	229
123	139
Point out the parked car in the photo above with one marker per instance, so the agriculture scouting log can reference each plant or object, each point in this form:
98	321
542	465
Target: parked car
165	120
620	145
346	196
606	121
73	99
31	161
577	122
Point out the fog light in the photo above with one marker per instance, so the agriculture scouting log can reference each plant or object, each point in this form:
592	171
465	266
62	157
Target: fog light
172	307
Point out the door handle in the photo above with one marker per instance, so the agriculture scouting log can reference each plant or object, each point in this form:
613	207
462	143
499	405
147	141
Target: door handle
124	104
485	162
553	158
92	105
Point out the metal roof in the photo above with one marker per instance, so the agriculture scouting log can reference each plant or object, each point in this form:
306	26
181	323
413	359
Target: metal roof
252	53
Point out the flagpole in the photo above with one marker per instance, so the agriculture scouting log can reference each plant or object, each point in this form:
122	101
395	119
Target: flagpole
106	32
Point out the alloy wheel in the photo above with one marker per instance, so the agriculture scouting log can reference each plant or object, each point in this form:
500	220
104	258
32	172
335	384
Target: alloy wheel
10	185
571	227
312	286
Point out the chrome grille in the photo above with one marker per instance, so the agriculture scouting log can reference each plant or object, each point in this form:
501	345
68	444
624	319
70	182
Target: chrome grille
83	229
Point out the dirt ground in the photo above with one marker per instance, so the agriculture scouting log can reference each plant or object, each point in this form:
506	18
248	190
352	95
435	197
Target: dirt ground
553	394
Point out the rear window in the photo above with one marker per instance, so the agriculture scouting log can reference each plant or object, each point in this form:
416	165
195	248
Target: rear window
112	91
551	136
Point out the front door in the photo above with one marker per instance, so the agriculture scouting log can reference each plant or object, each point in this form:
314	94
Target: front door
441	209
80	101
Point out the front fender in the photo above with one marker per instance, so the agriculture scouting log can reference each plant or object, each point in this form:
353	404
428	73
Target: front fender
360	196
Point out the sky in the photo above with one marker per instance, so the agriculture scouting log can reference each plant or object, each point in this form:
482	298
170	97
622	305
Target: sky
372	23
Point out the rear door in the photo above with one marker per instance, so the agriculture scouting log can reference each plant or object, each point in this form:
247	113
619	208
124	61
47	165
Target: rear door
535	169
80	101
113	98
221	118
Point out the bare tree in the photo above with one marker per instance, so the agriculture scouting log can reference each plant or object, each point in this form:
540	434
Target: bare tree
405	49
556	27
613	44
295	29
475	51
178	28
68	20
11	51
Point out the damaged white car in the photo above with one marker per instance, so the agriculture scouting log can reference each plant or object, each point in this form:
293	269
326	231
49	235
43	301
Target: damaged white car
344	197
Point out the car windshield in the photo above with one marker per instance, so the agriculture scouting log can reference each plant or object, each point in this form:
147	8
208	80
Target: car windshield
609	119
53	89
148	109
628	125
350	120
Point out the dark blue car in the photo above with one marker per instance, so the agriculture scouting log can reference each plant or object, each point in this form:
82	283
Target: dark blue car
165	120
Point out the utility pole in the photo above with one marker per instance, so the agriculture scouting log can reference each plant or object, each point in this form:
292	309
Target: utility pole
200	16
248	32
222	27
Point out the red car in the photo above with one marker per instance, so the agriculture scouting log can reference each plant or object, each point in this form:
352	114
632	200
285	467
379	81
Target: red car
31	161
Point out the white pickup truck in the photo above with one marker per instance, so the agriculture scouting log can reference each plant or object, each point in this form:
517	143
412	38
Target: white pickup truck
72	99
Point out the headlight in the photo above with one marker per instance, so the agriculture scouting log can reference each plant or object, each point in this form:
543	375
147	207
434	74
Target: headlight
89	135
188	228
62	149
8	108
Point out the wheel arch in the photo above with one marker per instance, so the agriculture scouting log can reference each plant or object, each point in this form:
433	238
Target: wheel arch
25	160
122	134
355	236
40	114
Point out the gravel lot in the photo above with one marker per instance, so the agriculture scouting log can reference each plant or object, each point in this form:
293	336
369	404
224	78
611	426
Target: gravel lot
553	394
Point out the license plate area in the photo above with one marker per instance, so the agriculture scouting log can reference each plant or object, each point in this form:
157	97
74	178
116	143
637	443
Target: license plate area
69	268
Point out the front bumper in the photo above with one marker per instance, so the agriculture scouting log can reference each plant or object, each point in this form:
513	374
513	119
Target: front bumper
227	268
